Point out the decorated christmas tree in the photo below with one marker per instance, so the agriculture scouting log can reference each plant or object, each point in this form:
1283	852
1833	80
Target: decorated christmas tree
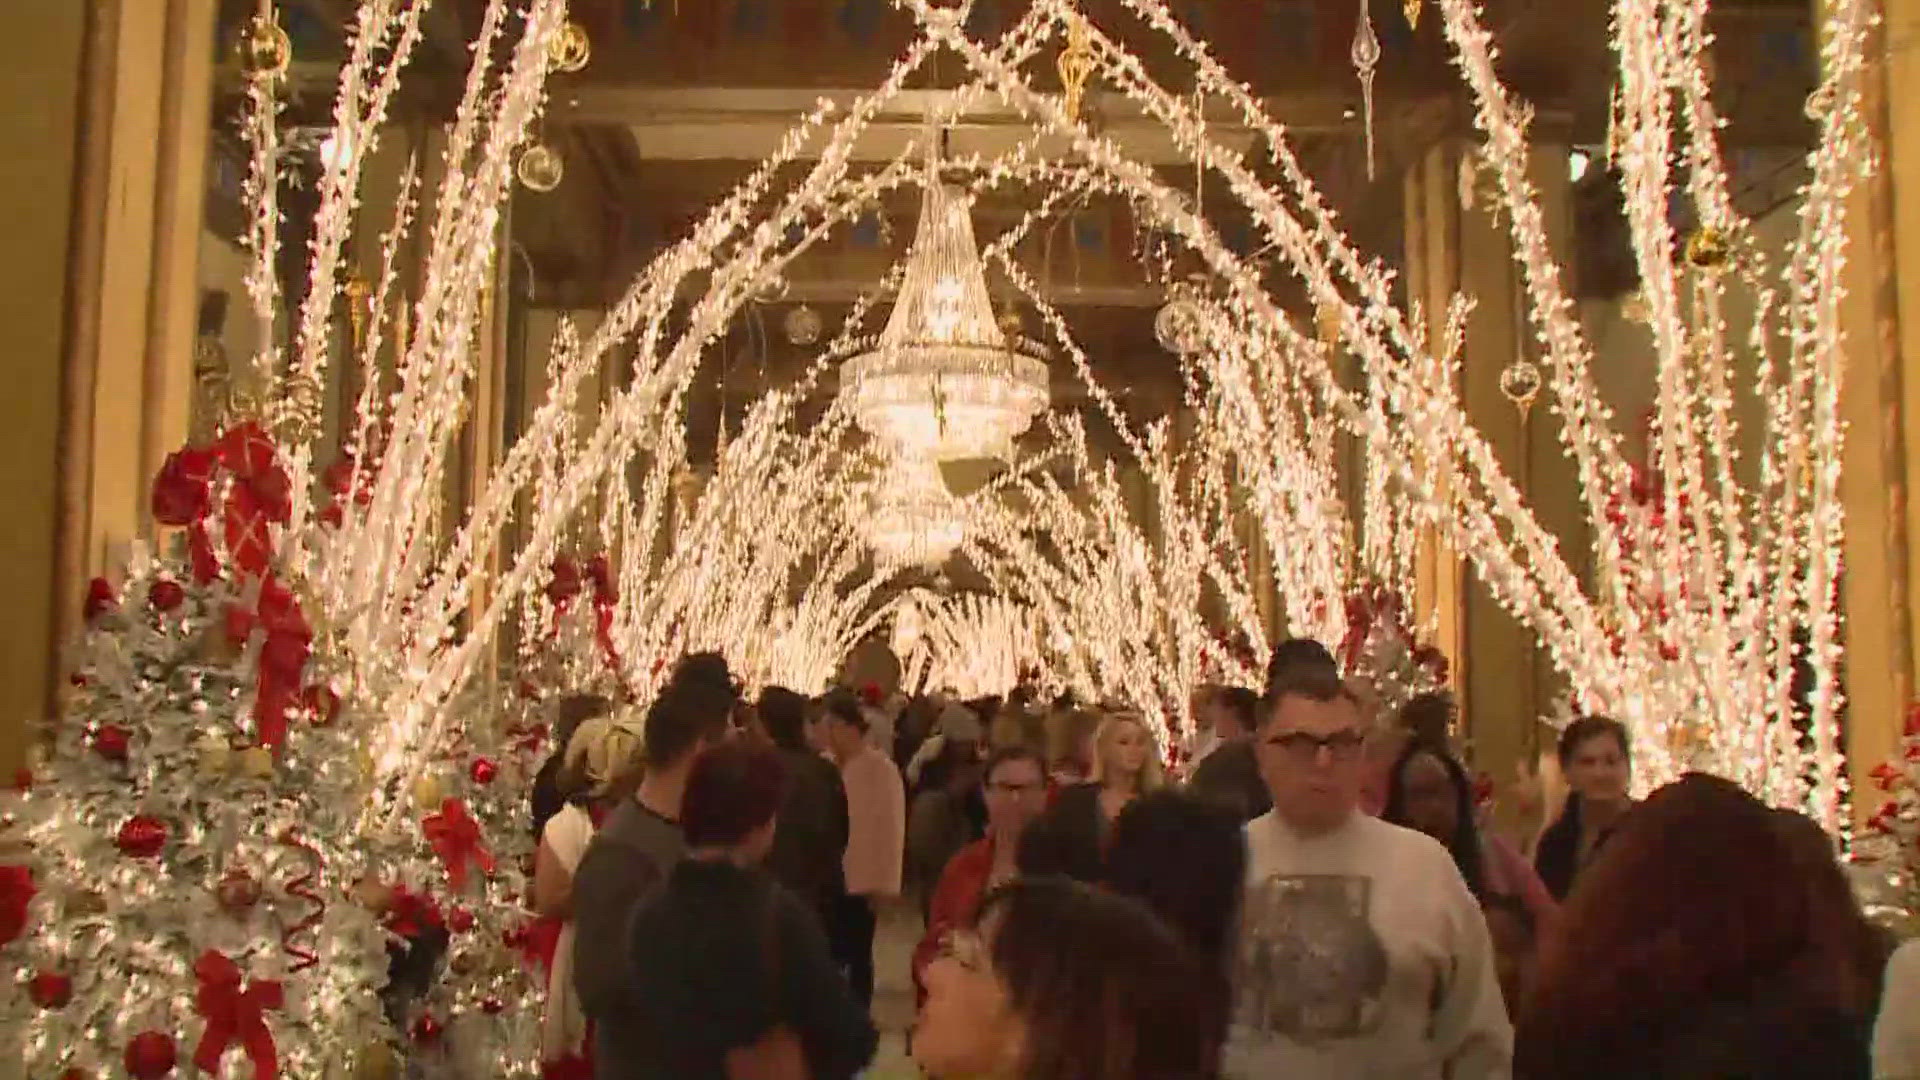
175	888
453	885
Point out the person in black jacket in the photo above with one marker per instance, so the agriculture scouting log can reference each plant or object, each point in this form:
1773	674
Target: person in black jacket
1230	775
549	794
728	966
811	835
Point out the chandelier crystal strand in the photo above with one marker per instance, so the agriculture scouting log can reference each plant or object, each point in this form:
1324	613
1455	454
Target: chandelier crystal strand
1366	62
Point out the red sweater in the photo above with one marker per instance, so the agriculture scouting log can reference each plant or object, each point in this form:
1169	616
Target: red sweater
963	884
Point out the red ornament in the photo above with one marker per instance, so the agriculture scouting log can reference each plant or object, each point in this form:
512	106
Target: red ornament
50	989
142	837
1911	729
492	1006
23	779
482	771
426	1030
150	1056
165	595
100	599
460	920
110	742
76	1074
77	680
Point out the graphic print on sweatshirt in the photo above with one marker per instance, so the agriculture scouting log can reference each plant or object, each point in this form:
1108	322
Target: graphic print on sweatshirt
1311	968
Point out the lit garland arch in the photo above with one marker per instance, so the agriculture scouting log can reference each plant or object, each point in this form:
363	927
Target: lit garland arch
1743	575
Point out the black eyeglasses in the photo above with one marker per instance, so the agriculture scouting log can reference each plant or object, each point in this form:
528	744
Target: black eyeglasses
1302	747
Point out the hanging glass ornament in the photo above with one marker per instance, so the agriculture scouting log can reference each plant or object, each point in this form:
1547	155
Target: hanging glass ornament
803	325
1366	62
1011	325
1707	249
540	168
1521	382
1179	327
570	49
265	50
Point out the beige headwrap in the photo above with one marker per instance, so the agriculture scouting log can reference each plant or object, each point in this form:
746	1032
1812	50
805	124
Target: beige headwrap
604	750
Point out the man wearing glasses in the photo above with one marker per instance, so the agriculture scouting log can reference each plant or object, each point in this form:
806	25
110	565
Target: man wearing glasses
1016	786
1362	953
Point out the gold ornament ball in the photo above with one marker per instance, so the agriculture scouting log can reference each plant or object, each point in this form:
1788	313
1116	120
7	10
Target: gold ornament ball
570	49
1707	249
376	1061
215	758
256	762
540	168
265	50
237	891
427	794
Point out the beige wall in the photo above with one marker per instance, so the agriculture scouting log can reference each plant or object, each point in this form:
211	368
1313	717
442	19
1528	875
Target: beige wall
39	98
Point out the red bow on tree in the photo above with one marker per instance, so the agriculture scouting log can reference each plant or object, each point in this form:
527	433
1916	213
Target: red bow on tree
234	1014
16	892
565	583
455	838
261	495
410	914
283	655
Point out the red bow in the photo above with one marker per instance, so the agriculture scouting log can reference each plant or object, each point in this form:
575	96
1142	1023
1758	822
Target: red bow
234	1014
455	838
16	892
261	495
283	655
181	495
565	583
409	914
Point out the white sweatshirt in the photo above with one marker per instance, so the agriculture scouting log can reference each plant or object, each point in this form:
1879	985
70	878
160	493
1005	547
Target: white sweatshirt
1362	956
1896	1035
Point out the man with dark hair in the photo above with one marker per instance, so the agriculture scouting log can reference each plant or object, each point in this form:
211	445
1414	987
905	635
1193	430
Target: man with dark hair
876	837
1230	775
1298	660
810	834
1362	952
631	854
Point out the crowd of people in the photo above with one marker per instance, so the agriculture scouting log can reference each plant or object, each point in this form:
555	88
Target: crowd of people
1321	895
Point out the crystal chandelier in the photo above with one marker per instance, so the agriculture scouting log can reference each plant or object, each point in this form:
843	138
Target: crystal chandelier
913	520
942	383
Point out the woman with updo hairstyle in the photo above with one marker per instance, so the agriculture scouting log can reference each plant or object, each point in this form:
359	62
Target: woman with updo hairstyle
1059	980
600	767
1598	765
1126	765
1694	949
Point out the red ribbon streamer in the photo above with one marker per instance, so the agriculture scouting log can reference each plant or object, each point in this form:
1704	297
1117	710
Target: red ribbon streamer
304	888
455	839
235	1014
16	892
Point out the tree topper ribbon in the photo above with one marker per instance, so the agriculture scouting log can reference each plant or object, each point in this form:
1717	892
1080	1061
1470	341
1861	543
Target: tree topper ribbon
455	838
234	1014
284	651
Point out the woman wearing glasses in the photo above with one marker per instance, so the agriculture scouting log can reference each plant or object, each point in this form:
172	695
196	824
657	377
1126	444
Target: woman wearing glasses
1016	794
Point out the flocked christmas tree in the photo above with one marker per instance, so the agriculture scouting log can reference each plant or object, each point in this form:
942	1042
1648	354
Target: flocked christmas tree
455	882
179	865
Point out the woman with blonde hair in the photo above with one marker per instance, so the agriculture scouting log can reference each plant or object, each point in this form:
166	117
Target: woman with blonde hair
601	766
1126	765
